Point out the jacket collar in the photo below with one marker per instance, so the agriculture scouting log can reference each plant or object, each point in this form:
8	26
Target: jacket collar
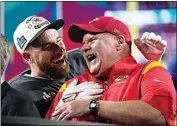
123	67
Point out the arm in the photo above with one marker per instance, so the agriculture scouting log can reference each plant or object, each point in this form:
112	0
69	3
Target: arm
17	104
157	105
151	46
127	112
130	112
26	108
74	91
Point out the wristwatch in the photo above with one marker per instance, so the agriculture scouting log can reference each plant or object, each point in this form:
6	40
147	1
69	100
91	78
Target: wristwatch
93	107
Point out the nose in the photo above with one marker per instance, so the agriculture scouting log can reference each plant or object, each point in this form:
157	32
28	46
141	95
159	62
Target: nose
85	47
58	47
60	44
59	52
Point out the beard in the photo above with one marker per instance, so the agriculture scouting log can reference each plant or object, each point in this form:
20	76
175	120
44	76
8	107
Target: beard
55	72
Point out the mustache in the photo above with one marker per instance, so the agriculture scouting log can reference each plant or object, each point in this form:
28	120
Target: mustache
58	73
52	71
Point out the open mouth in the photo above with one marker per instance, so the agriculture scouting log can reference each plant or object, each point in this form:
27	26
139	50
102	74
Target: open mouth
59	61
93	62
91	57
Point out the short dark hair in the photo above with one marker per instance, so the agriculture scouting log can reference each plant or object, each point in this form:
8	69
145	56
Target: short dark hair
5	53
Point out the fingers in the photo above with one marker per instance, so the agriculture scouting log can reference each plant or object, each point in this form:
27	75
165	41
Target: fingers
151	36
66	117
54	118
88	85
139	43
85	90
90	97
58	111
58	106
94	91
144	35
95	84
164	43
157	38
151	45
154	39
90	92
69	97
73	87
62	115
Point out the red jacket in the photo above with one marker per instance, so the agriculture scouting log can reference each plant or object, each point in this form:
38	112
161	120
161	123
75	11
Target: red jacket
87	76
149	82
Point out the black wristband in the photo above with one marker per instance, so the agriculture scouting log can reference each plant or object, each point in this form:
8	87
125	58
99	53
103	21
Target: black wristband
93	107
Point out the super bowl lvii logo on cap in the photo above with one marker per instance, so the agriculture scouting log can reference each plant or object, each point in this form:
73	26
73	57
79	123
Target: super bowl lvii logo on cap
37	21
21	41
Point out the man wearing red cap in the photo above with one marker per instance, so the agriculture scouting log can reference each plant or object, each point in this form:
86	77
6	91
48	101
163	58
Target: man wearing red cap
133	93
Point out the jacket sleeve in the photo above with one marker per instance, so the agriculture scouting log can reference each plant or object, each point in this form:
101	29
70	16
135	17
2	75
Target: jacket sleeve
158	90
27	108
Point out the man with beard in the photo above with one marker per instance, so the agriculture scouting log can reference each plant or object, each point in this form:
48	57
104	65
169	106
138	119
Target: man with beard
134	94
13	103
50	66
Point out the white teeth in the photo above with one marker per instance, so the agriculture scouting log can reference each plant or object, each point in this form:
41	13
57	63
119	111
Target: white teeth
61	58
88	56
58	61
93	61
54	62
91	56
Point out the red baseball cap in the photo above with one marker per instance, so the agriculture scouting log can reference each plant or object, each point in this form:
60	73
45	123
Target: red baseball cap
99	25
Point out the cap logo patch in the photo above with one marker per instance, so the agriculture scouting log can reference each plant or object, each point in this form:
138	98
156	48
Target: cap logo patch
21	41
116	31
37	20
92	21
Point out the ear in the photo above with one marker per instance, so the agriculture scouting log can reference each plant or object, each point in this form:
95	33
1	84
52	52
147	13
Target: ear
27	56
120	42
